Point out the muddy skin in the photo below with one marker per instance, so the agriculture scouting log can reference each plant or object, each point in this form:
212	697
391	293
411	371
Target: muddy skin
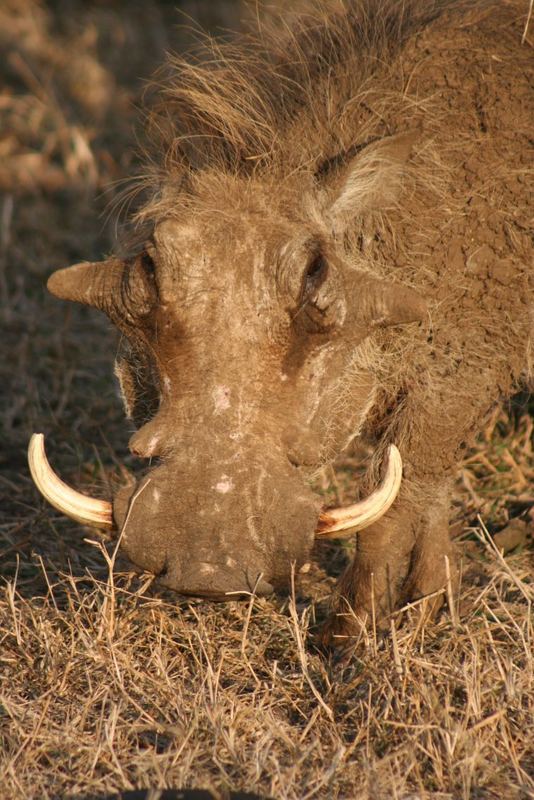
201	554
352	258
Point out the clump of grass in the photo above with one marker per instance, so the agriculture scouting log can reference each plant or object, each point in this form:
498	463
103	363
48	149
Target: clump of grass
106	686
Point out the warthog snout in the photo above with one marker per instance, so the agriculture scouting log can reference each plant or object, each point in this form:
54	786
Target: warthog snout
215	530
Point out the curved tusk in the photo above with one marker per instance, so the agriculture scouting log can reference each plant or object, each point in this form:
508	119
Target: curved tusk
337	523
87	510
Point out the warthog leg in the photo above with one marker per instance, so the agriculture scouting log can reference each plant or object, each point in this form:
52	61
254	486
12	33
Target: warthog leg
404	556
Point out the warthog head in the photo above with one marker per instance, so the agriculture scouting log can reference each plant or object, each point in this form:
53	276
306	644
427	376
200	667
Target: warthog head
248	327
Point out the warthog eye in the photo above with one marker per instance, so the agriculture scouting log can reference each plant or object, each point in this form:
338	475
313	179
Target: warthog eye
316	272
138	287
147	263
319	295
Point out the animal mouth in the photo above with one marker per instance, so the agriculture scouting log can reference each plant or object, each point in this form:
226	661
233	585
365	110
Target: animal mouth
334	523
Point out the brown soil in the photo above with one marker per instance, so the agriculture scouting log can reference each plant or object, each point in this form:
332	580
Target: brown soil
106	684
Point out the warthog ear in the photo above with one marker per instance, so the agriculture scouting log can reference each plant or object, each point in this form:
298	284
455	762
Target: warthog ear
90	283
371	180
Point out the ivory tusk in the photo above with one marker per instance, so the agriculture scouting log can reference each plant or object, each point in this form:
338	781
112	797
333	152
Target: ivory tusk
77	506
337	523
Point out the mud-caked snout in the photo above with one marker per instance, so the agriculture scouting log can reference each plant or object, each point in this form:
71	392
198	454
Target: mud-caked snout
218	531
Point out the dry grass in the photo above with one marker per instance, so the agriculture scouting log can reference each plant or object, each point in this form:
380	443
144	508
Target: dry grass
108	684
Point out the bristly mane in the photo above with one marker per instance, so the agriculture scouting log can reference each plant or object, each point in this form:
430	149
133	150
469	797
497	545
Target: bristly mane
275	99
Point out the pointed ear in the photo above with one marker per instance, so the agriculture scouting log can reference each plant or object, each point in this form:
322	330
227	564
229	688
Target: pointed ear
380	303
90	283
372	179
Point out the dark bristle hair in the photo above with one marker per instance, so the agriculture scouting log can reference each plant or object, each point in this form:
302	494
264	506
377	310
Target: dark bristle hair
229	104
272	100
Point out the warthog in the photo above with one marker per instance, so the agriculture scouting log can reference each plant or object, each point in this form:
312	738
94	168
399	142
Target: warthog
337	246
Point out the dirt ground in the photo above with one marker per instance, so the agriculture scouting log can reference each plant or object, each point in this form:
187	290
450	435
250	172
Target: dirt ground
107	684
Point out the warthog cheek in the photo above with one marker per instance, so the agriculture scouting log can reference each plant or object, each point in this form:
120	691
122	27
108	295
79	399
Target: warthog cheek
121	501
